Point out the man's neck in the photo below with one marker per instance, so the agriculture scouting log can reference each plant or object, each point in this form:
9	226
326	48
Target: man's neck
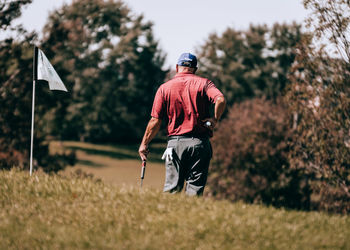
186	71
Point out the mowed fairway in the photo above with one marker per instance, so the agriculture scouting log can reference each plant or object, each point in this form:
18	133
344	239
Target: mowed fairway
116	164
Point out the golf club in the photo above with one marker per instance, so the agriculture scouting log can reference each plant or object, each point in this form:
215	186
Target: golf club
143	169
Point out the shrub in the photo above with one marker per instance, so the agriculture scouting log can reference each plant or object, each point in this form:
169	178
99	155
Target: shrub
250	161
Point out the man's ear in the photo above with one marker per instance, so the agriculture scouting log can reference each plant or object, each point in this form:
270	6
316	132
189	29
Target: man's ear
177	68
195	69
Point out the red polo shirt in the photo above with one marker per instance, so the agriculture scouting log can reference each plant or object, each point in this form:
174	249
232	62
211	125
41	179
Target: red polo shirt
185	101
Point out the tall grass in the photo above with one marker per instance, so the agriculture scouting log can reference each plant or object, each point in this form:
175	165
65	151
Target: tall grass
53	212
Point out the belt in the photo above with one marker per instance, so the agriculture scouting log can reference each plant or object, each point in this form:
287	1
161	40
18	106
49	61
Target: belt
187	136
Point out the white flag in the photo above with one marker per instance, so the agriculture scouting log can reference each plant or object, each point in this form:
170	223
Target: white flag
47	72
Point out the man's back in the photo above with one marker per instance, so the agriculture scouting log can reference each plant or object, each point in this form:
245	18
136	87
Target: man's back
185	101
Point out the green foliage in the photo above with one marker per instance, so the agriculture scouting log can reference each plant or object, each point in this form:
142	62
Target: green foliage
310	146
16	89
330	20
255	62
250	161
16	67
10	10
319	99
48	211
112	65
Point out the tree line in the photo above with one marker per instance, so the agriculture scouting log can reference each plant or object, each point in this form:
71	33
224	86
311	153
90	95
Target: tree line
284	140
294	150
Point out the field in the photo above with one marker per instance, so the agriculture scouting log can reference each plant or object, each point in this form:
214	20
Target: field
117	165
53	212
111	211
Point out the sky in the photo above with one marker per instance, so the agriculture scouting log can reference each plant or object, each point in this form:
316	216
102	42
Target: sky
184	25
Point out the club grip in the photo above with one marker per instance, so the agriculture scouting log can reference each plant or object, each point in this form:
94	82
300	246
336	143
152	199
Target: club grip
143	169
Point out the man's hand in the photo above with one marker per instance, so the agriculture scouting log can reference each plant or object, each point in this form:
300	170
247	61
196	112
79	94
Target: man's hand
210	123
143	151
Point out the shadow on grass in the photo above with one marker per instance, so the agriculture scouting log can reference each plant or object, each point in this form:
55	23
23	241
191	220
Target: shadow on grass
130	152
90	163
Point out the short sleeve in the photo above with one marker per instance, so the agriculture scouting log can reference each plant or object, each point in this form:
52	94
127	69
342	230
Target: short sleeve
158	108
212	92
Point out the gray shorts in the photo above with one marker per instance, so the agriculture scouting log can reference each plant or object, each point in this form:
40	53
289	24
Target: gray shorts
190	163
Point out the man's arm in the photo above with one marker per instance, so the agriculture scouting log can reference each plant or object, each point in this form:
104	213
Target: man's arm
220	105
151	131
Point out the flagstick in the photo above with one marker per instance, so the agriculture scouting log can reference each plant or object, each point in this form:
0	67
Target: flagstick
35	72
32	132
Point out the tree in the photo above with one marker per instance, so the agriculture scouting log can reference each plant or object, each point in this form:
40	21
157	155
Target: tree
10	10
16	94
245	64
319	97
110	61
330	21
16	67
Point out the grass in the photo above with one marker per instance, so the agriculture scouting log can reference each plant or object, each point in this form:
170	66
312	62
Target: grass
120	151
53	212
116	164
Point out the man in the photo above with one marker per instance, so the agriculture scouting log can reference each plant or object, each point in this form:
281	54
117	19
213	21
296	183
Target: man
185	101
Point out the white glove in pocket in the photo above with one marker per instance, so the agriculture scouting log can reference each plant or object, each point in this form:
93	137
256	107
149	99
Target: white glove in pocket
168	154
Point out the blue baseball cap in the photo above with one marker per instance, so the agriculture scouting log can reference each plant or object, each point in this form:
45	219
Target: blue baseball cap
187	60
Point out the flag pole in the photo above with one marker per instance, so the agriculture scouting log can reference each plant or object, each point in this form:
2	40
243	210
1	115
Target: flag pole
35	76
